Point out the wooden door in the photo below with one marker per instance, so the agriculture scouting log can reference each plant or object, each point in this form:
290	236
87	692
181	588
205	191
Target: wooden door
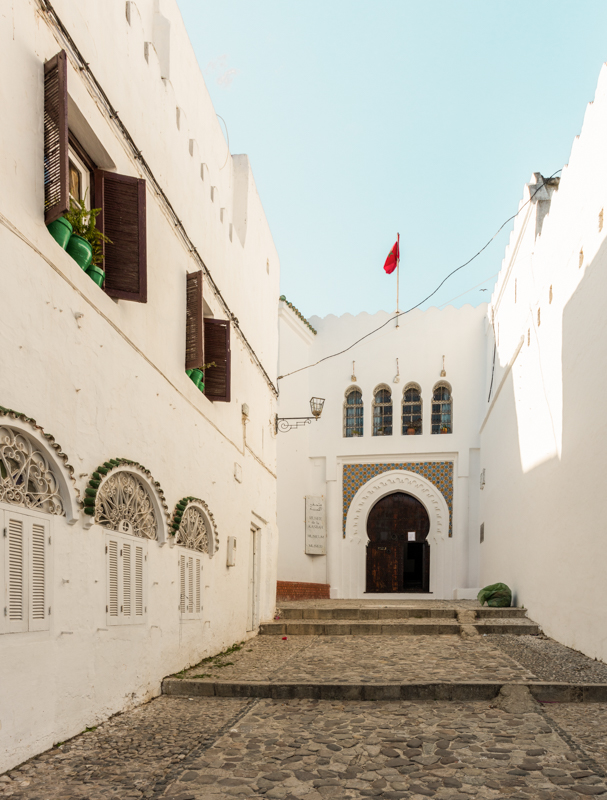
398	555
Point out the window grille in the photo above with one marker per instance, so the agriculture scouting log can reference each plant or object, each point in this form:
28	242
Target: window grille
353	413
124	505
26	476
382	412
442	409
412	409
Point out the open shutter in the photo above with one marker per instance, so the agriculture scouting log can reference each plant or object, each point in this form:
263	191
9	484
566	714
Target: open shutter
56	156
121	199
138	583
38	572
16	572
194	330
127	583
113	581
198	576
217	348
182	584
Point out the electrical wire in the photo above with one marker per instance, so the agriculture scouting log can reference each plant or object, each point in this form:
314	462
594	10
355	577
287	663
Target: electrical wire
421	302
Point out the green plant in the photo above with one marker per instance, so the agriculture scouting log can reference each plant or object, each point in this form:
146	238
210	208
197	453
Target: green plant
83	222
206	366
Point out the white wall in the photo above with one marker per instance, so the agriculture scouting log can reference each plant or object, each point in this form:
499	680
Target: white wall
311	459
542	444
111	383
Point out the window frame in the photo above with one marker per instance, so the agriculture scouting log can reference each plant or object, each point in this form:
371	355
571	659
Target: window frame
190	558
122	617
348	430
380	411
437	426
404	403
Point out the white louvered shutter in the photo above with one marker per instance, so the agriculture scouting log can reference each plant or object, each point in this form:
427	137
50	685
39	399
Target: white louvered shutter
38	575
126	609
182	584
113	581
138	582
198	576
190	604
16	572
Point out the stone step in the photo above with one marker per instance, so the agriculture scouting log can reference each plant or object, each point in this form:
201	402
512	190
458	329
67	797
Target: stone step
393	612
410	627
458	691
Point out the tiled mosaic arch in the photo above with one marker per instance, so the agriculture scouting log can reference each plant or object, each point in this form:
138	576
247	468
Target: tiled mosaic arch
439	473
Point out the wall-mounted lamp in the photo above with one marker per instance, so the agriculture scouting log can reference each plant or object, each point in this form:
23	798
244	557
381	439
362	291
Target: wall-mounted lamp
286	423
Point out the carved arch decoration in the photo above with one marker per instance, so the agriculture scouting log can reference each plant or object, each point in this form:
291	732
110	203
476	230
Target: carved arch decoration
34	470
438	537
193	526
123	496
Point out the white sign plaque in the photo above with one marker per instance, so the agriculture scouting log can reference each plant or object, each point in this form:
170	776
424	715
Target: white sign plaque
316	529
411	536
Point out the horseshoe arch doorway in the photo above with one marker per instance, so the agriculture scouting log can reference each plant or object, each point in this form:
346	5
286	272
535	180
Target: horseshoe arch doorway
398	553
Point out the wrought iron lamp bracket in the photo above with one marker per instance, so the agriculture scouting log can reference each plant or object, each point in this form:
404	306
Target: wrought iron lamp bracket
285	424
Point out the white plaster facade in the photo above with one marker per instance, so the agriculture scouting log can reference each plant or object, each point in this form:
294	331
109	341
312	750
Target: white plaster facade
106	378
311	460
529	432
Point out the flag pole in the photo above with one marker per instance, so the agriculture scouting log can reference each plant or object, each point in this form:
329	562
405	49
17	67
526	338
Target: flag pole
397	277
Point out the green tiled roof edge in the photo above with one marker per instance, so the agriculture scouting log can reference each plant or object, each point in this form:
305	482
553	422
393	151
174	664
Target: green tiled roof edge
297	313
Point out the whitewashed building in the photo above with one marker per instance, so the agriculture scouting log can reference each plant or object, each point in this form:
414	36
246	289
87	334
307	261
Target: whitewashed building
138	513
513	490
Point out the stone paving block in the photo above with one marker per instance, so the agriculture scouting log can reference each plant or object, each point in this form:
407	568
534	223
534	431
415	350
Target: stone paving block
248	689
385	692
303	629
272	628
337	629
187	688
362	629
368	613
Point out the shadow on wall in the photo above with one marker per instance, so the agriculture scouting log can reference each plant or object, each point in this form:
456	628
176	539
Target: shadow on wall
544	501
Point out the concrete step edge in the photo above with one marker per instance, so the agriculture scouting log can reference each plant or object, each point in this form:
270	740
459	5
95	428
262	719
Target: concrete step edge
544	692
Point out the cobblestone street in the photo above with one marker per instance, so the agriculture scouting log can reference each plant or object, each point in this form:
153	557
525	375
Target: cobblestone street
217	747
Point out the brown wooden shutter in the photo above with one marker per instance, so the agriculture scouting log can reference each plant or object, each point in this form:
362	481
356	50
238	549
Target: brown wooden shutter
56	156
217	349
121	199
194	329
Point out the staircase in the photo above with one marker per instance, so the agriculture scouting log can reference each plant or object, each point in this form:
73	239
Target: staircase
421	618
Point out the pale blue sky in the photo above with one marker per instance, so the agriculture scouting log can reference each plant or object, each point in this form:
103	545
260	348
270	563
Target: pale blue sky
362	119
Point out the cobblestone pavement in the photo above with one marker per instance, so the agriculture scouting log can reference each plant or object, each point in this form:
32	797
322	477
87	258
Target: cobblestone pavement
362	659
550	660
218	749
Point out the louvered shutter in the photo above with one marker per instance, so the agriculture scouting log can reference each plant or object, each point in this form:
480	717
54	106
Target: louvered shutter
38	574
127	583
194	330
182	584
121	199
217	381
197	573
113	582
16	572
56	155
190	604
138	582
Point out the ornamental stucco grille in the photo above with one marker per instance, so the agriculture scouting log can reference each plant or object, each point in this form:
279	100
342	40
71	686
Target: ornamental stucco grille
192	531
26	478
124	505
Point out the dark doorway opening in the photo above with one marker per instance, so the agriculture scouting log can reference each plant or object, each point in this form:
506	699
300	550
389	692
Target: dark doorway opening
398	555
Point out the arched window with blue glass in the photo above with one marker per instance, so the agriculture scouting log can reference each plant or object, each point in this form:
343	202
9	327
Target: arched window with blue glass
382	411
442	408
353	412
412	409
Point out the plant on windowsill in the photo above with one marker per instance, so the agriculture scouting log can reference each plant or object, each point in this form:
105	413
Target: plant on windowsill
414	427
356	432
197	375
86	242
444	429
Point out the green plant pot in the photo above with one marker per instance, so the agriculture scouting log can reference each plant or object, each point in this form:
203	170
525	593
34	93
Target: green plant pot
80	250
201	386
188	372
96	273
197	376
60	230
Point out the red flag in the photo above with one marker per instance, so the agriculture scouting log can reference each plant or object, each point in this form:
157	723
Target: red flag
392	259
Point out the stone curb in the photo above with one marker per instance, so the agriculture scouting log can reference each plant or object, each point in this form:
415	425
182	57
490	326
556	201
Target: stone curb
365	614
462	691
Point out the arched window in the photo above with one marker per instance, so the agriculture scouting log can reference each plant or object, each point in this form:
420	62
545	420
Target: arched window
193	526
26	477
442	408
123	504
353	412
382	411
412	409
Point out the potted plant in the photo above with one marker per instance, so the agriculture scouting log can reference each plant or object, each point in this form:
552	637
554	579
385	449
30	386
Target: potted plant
444	429
414	427
197	375
85	244
60	230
